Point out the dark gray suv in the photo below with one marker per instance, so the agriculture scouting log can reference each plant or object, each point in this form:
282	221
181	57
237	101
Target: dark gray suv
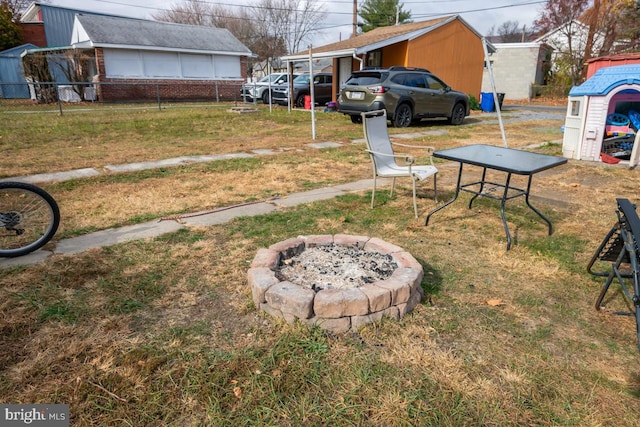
407	94
321	90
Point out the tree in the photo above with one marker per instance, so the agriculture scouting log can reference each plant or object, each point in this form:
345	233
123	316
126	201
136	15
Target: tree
191	12
36	70
569	41
76	65
510	32
270	28
618	24
10	30
290	20
603	28
629	24
18	6
382	13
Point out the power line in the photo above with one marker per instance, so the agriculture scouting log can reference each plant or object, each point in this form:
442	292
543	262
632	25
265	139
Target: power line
344	2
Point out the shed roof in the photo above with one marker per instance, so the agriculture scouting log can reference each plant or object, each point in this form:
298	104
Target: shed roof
15	52
607	79
109	31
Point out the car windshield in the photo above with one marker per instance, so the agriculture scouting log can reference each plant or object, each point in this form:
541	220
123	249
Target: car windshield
364	79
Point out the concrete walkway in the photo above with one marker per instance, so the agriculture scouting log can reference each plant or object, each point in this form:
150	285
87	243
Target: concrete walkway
158	227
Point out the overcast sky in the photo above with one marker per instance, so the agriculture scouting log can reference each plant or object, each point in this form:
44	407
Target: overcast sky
480	14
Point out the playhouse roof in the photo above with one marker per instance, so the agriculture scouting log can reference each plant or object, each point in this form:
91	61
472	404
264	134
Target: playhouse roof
606	79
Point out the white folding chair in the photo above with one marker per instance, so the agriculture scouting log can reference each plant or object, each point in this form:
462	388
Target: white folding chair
386	162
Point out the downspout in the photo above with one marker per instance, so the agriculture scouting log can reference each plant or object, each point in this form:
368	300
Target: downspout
358	59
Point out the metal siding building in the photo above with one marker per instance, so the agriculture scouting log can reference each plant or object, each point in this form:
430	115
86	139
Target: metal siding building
12	83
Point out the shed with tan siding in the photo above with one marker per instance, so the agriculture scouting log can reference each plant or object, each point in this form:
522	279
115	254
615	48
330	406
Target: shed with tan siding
448	47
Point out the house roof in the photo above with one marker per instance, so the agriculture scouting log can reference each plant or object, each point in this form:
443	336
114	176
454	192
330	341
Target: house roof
617	57
130	33
378	38
32	14
606	79
562	29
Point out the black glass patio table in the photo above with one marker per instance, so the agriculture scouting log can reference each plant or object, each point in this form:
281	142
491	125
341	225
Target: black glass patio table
508	160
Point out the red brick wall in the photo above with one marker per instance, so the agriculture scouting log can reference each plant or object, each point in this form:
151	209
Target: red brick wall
112	89
34	33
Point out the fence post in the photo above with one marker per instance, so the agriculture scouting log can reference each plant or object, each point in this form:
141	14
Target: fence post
217	94
58	96
158	95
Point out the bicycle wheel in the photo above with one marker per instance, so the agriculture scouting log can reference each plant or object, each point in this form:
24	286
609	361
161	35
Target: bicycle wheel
29	217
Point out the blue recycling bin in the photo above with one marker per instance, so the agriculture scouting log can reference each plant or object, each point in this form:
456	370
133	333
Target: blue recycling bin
487	104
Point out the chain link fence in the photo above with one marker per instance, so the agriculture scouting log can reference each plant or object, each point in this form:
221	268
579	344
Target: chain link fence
120	92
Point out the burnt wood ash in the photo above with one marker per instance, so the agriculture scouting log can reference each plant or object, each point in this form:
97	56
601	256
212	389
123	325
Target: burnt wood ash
336	267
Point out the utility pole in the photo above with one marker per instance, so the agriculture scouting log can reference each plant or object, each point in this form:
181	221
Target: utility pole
355	18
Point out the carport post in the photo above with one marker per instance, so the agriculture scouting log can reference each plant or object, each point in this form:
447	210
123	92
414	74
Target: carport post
312	93
493	90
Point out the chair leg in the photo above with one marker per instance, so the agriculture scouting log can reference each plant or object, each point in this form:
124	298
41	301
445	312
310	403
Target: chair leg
393	186
415	205
373	193
435	187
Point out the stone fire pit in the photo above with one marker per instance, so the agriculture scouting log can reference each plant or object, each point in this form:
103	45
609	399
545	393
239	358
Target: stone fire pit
391	289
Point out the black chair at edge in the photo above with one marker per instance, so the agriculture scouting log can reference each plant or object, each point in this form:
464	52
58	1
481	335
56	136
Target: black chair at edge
620	249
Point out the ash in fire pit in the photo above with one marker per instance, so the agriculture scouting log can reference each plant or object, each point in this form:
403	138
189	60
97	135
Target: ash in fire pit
337	282
336	267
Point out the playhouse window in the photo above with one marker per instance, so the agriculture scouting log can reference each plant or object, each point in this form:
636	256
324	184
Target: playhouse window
575	108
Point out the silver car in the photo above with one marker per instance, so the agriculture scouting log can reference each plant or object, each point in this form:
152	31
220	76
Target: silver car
260	90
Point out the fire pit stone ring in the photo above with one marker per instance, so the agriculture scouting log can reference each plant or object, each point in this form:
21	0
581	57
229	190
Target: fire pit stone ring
345	308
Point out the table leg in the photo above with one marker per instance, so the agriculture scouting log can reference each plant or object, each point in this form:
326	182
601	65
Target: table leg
484	174
503	202
526	198
455	196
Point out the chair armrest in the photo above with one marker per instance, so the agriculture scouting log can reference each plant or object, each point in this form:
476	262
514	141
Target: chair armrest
409	159
428	148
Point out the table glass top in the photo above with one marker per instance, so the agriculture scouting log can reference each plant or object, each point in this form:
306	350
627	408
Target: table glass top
504	159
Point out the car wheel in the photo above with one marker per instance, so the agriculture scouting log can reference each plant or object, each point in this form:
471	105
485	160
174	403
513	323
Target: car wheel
403	116
356	119
299	101
457	115
265	97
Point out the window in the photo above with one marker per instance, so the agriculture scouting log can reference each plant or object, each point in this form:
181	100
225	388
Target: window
169	65
122	63
435	83
226	66
161	64
575	108
374	59
196	66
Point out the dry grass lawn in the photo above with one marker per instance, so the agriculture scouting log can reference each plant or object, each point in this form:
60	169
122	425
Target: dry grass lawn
164	331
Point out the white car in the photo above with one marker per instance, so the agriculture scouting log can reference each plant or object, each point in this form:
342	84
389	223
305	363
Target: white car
260	90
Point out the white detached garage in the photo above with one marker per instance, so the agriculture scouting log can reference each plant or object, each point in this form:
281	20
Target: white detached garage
602	115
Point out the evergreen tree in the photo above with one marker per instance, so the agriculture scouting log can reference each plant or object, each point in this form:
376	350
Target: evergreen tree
382	13
10	30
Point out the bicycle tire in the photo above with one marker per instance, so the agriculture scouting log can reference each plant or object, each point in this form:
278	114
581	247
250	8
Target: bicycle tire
29	218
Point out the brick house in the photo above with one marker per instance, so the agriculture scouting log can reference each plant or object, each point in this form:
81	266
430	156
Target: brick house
142	59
